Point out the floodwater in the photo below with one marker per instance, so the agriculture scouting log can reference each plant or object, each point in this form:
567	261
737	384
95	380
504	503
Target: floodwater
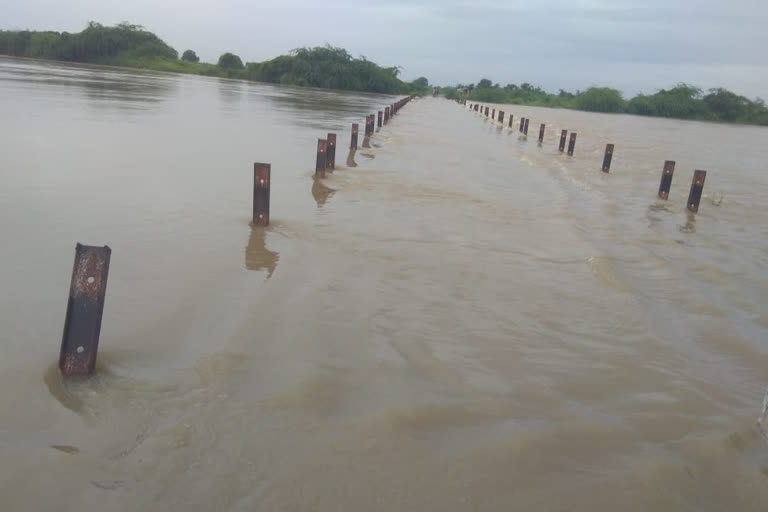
464	321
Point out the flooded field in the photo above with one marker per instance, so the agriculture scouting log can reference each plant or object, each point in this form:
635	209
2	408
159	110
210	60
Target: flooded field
464	321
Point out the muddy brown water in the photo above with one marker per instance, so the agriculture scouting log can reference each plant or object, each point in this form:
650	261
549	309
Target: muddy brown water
464	321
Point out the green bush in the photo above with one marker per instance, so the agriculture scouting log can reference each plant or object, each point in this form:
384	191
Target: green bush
230	61
190	56
600	99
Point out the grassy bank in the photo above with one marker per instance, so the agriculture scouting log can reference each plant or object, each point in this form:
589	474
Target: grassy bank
132	46
682	101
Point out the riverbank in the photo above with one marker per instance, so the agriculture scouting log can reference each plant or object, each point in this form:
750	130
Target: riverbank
131	46
683	101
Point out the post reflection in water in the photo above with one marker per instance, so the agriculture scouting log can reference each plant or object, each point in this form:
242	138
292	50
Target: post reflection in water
321	193
257	256
351	158
690	223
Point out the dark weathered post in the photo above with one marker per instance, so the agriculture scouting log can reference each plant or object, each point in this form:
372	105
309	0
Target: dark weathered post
486	111
522	124
511	118
501	117
330	152
321	156
353	141
571	143
608	157
493	114
666	179
697	187
386	115
541	132
381	118
563	135
525	126
262	174
82	324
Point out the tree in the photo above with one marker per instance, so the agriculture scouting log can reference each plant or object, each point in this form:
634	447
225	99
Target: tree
682	101
421	82
727	105
600	99
190	56
484	84
230	61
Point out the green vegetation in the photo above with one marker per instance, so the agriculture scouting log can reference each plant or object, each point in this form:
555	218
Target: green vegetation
682	101
190	56
96	44
330	68
132	46
230	61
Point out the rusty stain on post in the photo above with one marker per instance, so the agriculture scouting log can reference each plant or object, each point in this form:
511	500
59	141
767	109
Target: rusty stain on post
666	179
321	156
571	143
697	188
82	324
608	157
563	136
330	152
541	132
262	174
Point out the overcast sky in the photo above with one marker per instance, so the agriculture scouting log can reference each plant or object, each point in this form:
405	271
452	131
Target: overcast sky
571	44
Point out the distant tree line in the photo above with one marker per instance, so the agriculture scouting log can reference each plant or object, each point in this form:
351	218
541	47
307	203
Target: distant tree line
96	44
329	68
682	101
133	46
